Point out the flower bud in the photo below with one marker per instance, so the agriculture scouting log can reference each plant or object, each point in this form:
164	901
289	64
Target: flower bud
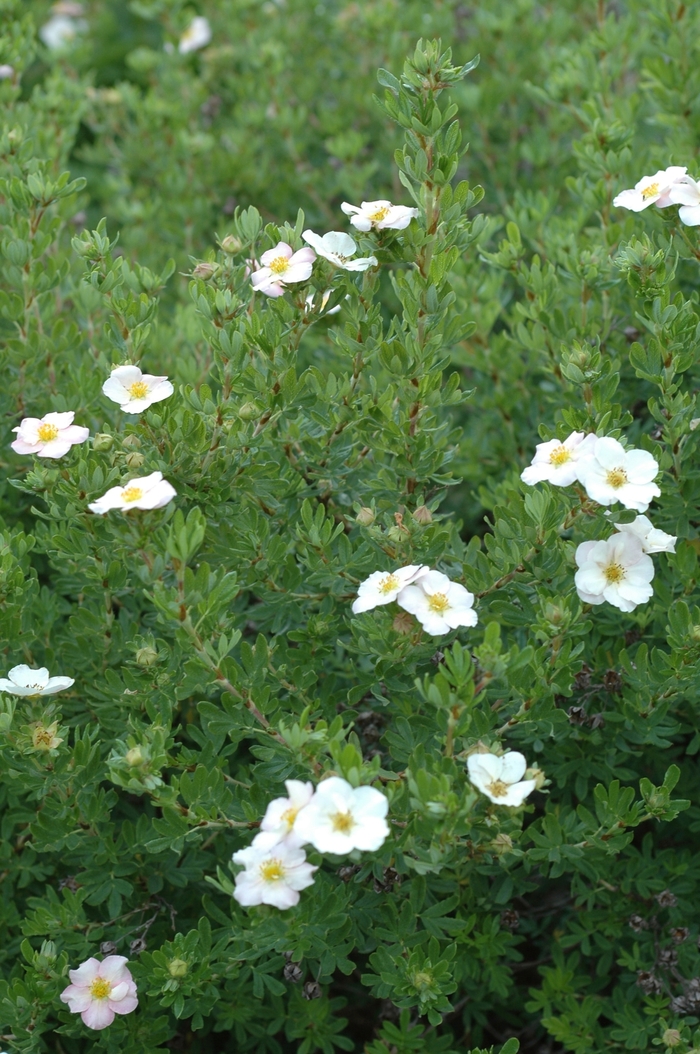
231	244
134	757
134	459
131	441
423	515
103	441
501	844
695	633
365	516
177	968
6	72
395	534
248	411
147	656
204	271
671	1037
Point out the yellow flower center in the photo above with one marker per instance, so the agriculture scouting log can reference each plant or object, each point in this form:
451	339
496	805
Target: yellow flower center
289	816
139	389
45	433
388	584
279	265
560	455
100	989
498	788
272	870
438	603
614	573
616	478
379	214
131	494
650	191
343	822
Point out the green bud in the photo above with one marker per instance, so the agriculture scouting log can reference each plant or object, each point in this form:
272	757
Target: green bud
131	441
147	656
501	844
103	441
134	757
423	515
248	411
134	460
365	517
671	1037
395	534
231	244
177	968
205	271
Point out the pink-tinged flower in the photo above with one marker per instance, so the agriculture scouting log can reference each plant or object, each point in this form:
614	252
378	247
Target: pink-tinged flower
439	604
144	492
275	872
99	990
617	570
282	266
281	814
611	474
135	391
651	190
381	215
340	818
557	460
49	436
687	195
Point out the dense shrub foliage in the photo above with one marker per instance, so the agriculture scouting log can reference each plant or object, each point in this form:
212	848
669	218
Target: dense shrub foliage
361	422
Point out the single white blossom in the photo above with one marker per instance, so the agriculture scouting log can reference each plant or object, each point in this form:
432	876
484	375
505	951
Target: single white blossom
275	872
340	818
142	492
687	195
339	248
381	215
382	587
557	460
610	474
651	190
653	540
282	266
439	604
23	680
196	36
135	391
7	72
281	814
500	778
324	300
615	569
61	31
99	990
50	436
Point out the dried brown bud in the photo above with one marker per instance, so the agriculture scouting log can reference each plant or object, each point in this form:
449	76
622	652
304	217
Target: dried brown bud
612	682
679	934
637	923
293	972
347	872
668	956
510	919
312	990
631	334
666	899
204	271
108	947
582	679
137	946
648	982
577	715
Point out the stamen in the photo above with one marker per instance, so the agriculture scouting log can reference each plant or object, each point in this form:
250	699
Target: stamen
379	214
46	433
100	988
131	494
388	584
139	389
651	191
616	478
614	573
438	602
560	455
279	265
498	788
343	822
272	870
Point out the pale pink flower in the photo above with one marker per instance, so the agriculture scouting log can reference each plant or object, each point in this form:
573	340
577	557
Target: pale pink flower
99	990
282	266
381	215
142	492
651	190
49	436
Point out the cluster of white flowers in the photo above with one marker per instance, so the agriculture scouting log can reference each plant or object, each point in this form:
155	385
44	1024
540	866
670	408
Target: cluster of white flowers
336	818
617	569
281	266
669	186
500	778
439	604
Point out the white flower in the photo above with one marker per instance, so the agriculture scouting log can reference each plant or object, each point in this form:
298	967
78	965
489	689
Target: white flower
22	680
339	248
50	436
135	391
340	818
610	473
281	814
142	492
557	461
281	266
439	604
653	540
381	215
617	570
274	873
196	36
500	778
651	190
6	72
687	195
382	587
324	300
61	30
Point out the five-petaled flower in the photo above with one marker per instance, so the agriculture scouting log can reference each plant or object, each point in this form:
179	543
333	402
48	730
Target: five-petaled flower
651	190
339	248
196	36
382	587
686	193
439	604
501	778
617	570
23	680
275	872
653	540
142	492
557	460
281	814
135	391
340	818
380	215
282	266
50	436
99	990
610	474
